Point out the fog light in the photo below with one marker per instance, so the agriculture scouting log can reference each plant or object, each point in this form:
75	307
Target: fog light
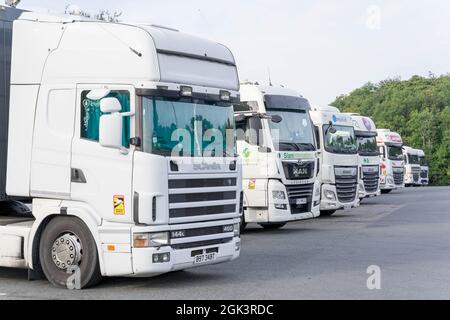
238	246
279	195
161	257
330	195
281	206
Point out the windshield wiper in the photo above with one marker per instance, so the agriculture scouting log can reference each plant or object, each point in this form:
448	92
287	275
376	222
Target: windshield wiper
307	146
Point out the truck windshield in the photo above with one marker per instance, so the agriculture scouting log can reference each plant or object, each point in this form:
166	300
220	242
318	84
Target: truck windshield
343	141
367	146
395	153
188	127
294	132
423	162
413	159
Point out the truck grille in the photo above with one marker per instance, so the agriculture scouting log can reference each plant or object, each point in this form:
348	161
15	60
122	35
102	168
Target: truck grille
346	185
299	170
399	176
416	174
297	192
202	197
371	179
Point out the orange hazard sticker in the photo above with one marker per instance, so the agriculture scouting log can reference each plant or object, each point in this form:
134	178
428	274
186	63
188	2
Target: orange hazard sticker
119	205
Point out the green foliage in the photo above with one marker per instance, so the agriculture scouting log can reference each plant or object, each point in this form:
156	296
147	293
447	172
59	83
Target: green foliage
418	109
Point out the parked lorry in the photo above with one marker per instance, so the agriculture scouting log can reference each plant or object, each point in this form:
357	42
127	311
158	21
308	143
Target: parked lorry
392	164
424	169
412	166
338	159
100	121
279	156
369	159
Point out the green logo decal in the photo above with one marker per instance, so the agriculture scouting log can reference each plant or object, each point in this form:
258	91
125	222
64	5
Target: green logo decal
246	153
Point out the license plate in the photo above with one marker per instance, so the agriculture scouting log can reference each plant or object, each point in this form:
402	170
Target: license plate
301	201
347	207
205	258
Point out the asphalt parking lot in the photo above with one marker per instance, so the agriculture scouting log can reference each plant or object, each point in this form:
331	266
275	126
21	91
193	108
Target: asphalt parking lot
406	234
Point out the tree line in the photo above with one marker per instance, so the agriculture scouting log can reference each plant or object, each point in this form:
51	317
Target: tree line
418	109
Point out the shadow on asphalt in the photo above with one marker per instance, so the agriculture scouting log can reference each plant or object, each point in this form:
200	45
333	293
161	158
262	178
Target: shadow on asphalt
170	280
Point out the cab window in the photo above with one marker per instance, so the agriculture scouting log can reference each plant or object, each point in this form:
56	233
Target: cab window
90	116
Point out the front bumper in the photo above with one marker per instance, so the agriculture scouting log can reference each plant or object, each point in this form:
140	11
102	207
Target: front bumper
387	183
327	204
143	265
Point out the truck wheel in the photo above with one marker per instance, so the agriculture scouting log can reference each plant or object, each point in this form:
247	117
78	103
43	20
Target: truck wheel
68	254
327	213
386	191
272	226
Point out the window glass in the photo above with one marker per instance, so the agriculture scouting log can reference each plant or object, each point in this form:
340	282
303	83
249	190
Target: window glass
343	141
164	117
90	116
294	132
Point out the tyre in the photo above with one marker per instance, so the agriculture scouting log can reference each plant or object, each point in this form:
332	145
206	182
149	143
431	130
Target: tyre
272	226
386	191
68	254
327	213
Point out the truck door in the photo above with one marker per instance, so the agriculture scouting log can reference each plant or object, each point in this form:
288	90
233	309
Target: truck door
102	177
254	153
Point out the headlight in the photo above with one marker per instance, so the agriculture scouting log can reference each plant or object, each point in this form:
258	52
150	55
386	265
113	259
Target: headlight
279	195
317	192
237	230
148	240
330	195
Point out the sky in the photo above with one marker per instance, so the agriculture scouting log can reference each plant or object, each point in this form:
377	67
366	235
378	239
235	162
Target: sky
321	48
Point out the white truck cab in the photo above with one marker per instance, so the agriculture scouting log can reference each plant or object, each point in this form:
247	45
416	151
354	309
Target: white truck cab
109	140
412	166
369	158
424	169
392	164
338	159
279	156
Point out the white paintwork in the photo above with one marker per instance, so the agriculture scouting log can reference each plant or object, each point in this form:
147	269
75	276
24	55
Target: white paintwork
385	138
71	55
424	170
366	125
263	172
410	168
323	116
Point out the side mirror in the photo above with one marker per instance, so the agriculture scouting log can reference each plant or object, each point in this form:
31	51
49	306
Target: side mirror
110	105
332	129
111	125
240	117
276	118
264	150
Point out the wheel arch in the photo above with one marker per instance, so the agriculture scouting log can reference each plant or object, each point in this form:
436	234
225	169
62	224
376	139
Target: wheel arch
52	212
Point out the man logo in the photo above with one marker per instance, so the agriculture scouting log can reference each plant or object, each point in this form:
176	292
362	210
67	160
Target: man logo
374	280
